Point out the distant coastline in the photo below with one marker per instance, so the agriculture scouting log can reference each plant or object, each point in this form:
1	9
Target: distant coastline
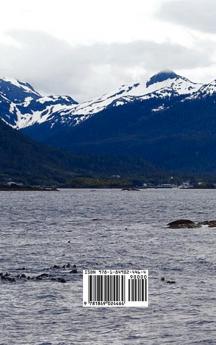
26	188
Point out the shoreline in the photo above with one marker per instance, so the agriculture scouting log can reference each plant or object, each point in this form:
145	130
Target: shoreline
56	189
28	188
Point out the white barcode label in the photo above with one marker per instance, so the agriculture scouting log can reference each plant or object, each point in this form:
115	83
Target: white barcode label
115	288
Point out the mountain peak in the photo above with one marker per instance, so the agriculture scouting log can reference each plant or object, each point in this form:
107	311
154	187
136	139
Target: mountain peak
16	90
161	76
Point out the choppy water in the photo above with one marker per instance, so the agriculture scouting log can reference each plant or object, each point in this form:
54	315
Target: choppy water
108	229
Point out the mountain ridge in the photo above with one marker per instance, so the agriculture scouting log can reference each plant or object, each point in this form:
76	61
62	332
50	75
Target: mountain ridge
167	121
33	108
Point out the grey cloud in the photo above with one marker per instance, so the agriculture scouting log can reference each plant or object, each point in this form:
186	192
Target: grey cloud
153	55
55	66
196	14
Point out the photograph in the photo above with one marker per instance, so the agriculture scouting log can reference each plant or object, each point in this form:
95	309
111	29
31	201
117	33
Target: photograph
108	172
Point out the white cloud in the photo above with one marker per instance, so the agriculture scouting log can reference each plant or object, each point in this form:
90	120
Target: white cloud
85	48
84	71
81	21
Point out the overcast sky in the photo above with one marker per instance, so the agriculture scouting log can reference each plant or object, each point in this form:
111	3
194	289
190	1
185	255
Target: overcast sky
85	48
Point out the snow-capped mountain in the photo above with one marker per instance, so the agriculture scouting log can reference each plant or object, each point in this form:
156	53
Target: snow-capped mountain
167	120
161	85
22	107
17	91
204	91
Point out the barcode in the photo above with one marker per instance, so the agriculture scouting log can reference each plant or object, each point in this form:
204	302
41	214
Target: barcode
115	288
106	288
137	289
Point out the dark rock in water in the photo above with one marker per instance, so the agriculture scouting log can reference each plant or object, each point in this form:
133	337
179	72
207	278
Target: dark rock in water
56	267
133	189
170	282
50	276
205	222
210	223
189	224
163	279
182	223
61	280
38	278
7	278
10	279
43	275
23	276
74	270
68	265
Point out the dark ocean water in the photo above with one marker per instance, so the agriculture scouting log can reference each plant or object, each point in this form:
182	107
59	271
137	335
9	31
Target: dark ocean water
107	229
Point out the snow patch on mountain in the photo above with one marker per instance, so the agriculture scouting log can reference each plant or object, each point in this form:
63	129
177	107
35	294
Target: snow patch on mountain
25	87
26	107
160	108
206	90
157	86
209	89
